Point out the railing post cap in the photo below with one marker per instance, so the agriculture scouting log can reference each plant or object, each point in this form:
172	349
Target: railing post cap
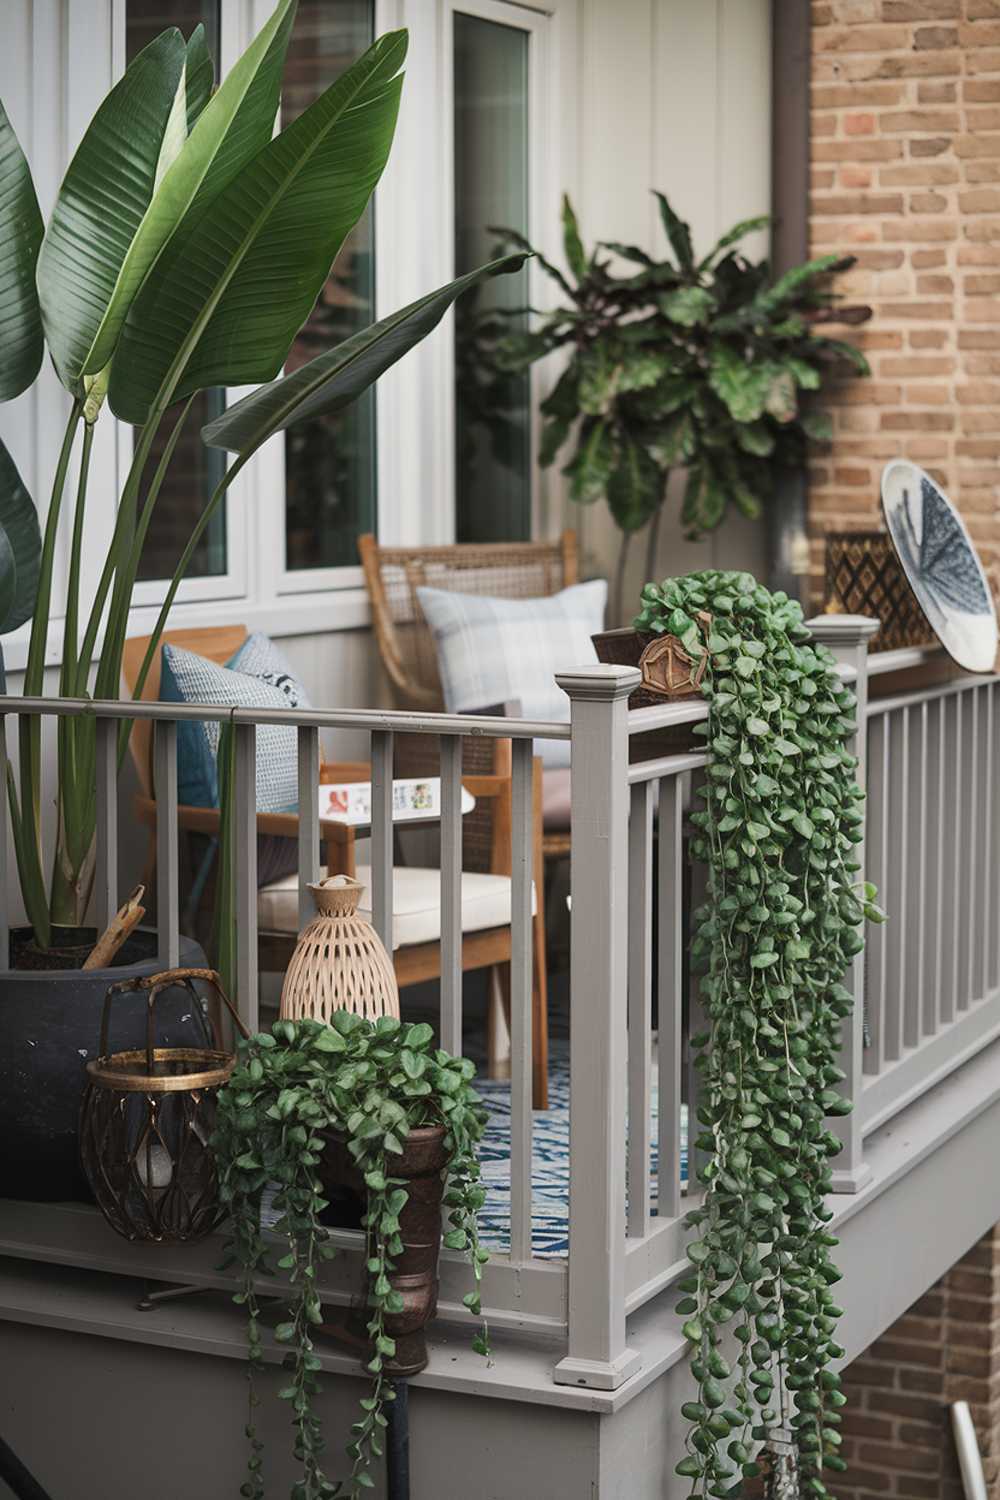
600	683
843	630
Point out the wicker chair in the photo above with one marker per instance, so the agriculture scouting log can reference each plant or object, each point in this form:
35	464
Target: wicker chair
507	570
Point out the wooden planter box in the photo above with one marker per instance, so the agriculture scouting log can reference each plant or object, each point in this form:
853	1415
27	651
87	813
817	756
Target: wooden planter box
624	648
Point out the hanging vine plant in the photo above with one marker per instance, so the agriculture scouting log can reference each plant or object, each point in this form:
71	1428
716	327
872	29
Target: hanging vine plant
371	1083
780	925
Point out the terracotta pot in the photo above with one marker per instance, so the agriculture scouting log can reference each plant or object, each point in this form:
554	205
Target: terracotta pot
421	1169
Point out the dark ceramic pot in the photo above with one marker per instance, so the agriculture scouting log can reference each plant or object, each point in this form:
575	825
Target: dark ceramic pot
50	1023
421	1168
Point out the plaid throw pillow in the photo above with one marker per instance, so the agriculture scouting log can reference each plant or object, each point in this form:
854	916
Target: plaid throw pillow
492	650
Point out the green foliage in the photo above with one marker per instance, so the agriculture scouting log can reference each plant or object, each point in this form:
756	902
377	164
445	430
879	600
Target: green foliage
371	1083
671	365
779	927
200	275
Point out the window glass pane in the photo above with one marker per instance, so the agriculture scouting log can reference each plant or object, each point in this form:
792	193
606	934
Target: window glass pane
492	412
195	469
330	461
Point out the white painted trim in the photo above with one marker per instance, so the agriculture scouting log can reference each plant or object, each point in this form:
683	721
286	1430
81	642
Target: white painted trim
69	58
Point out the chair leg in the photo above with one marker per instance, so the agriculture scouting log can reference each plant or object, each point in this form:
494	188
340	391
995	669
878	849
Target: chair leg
539	1020
498	1058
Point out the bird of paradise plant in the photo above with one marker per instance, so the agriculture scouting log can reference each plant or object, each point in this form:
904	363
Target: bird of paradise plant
185	250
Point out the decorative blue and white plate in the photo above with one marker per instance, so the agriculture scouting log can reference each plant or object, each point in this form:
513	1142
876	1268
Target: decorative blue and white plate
942	564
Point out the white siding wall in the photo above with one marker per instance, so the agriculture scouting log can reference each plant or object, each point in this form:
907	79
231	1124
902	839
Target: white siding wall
675	95
671	94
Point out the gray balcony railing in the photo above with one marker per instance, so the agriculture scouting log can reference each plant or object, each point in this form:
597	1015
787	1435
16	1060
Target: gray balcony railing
927	988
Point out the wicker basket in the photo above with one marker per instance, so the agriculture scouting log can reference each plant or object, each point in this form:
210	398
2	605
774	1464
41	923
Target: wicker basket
865	577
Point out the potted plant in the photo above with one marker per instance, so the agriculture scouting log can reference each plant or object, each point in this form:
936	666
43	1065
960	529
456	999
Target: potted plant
312	1107
142	300
707	365
785	900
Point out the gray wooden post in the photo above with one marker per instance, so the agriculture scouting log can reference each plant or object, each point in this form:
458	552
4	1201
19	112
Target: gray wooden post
597	1355
847	636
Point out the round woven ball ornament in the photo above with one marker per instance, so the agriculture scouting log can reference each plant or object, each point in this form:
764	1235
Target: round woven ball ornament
340	962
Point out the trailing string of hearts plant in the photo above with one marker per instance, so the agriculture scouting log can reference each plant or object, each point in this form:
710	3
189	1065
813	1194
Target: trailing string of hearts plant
371	1083
775	936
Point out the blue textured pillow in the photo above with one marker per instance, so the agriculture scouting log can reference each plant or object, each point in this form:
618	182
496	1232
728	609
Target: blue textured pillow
258	676
495	650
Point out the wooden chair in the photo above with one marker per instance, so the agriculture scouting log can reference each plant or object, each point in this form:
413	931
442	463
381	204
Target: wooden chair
486	892
507	570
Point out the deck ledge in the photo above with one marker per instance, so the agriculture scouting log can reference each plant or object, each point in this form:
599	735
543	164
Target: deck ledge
91	1301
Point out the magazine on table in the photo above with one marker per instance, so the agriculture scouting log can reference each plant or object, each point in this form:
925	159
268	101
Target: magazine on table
413	798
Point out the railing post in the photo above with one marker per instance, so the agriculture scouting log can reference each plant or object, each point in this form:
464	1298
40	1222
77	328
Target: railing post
597	1355
847	636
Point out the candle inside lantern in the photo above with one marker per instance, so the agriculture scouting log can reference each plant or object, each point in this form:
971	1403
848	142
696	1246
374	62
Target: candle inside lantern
154	1166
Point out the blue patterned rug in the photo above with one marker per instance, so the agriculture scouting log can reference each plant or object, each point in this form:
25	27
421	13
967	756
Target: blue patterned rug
549	1165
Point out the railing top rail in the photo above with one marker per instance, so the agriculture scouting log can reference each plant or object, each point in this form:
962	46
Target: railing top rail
666	765
881	662
692	710
371	719
936	690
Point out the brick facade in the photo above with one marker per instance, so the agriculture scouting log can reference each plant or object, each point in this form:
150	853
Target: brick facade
897	1432
906	176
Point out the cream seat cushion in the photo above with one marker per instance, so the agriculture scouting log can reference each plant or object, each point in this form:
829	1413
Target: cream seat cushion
416	904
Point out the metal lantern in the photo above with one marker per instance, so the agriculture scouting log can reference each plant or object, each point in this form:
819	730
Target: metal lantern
339	961
147	1119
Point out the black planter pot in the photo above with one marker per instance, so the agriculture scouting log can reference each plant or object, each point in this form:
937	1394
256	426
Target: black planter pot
50	1022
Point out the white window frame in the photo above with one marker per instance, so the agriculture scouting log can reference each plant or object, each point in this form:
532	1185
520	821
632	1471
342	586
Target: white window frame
414	252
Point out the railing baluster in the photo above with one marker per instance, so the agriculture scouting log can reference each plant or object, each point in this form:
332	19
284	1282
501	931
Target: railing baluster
106	879
382	835
640	1010
917	811
309	861
930	837
896	879
167	862
451	893
4	861
245	857
991	925
969	813
951	846
520	1001
980	839
939	762
875	861
669	988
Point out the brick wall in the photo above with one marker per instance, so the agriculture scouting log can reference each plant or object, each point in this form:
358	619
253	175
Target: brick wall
897	1434
906	176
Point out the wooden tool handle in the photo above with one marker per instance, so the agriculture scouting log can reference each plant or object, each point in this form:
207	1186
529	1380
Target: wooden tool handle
118	929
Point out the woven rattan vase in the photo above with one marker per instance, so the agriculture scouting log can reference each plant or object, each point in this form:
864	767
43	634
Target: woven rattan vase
339	961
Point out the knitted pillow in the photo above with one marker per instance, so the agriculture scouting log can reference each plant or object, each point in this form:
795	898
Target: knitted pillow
257	676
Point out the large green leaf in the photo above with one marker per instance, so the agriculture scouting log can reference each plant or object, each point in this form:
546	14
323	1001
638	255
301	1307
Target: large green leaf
101	203
21	229
336	378
742	386
576	256
199	76
677	233
230	130
635	489
240	276
592	464
20	547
